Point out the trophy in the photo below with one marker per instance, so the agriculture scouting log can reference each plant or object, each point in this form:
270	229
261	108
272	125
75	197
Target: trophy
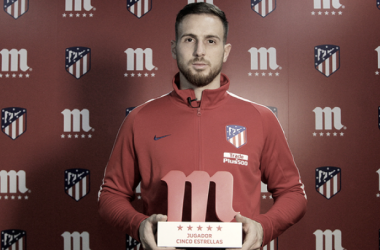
198	232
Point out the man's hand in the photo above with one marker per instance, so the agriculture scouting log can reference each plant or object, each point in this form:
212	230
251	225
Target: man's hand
148	230
253	233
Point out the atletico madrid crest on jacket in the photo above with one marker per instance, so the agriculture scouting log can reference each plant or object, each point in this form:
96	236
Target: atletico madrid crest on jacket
263	7
328	181
13	122
236	135
139	7
78	61
16	8
77	183
13	239
327	59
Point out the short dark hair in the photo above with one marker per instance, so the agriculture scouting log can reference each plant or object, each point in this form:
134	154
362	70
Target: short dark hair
201	8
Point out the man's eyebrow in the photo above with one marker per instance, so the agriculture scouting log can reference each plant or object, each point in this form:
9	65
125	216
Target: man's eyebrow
188	34
194	36
213	36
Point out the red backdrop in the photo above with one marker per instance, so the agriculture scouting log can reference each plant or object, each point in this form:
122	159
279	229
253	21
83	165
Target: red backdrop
294	41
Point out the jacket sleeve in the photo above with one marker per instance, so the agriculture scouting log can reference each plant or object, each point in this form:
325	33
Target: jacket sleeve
120	180
280	173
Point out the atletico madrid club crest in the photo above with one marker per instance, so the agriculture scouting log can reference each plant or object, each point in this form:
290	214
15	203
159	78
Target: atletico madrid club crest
78	61
131	243
139	7
16	8
129	110
13	122
13	239
378	115
77	183
328	181
327	59
274	110
236	135
263	7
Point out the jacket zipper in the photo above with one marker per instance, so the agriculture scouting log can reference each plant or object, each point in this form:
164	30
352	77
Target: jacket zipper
199	139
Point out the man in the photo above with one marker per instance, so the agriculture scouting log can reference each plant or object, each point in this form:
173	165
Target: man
189	129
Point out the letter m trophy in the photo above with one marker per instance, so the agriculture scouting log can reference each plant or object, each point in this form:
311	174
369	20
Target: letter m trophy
198	232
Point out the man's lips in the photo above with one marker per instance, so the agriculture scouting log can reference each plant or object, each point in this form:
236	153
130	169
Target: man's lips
199	65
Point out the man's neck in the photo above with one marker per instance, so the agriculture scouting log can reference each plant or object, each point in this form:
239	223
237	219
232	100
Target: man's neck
185	84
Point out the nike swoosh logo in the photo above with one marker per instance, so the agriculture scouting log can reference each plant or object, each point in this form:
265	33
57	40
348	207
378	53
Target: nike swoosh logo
157	138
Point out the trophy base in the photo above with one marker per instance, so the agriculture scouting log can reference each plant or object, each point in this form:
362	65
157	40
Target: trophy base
199	234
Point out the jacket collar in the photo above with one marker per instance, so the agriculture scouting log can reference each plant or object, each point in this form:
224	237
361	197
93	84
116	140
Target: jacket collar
211	98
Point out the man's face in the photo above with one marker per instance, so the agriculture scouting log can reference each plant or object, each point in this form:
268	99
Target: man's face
200	50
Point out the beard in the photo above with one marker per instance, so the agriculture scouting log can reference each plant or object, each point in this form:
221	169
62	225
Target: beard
199	79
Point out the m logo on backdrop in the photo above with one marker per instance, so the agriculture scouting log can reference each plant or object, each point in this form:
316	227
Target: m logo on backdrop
13	239
13	185
328	237
77	183
14	60
13	122
378	6
327	59
139	7
200	1
322	7
326	114
378	59
74	239
73	125
78	61
267	58
328	181
135	62
263	7
16	8
78	6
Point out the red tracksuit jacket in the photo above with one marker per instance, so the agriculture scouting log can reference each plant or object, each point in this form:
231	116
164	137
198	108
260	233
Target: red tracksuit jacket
225	133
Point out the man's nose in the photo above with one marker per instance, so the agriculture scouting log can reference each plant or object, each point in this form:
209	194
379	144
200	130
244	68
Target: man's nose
200	49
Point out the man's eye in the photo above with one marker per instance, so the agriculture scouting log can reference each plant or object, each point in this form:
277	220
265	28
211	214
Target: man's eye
188	39
211	41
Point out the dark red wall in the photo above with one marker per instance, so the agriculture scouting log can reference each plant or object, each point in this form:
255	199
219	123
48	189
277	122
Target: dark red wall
295	88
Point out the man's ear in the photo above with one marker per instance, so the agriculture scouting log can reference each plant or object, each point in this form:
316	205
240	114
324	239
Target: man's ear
227	50
173	48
